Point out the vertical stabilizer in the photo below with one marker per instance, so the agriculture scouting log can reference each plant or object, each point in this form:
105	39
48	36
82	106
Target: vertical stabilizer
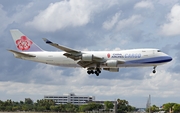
23	43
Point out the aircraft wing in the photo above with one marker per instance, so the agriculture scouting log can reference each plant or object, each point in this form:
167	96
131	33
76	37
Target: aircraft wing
75	54
70	53
20	54
63	48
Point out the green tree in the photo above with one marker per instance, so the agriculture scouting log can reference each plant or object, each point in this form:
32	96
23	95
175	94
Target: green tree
176	108
108	105
70	107
28	101
44	103
15	108
94	106
8	108
21	102
41	108
84	108
2	108
153	108
168	106
25	108
123	106
61	108
90	106
54	108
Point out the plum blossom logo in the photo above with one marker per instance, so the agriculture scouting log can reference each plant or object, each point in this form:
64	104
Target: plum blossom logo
108	55
23	43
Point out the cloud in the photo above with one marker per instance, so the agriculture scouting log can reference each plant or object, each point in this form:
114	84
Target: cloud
83	84
15	87
144	4
64	14
121	24
129	23
110	23
172	27
4	19
22	12
168	2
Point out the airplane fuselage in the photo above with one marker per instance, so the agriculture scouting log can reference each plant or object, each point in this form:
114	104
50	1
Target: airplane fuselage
94	61
132	58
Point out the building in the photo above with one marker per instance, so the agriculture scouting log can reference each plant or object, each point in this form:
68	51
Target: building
70	98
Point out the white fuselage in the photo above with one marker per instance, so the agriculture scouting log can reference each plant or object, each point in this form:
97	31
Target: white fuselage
132	58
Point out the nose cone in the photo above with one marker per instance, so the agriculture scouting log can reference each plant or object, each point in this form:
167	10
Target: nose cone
168	58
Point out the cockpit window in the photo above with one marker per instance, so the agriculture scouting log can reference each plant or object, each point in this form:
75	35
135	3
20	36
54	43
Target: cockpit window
158	50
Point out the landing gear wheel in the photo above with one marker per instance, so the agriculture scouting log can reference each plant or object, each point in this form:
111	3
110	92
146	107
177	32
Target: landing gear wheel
89	72
154	69
97	73
92	72
98	70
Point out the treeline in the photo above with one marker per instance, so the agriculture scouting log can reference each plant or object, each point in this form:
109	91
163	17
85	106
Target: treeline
49	105
168	107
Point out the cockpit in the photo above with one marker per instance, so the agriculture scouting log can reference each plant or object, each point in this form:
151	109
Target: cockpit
158	50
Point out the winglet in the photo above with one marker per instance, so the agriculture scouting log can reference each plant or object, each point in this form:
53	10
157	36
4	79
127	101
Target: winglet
47	41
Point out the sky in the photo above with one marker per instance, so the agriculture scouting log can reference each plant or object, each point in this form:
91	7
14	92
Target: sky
91	25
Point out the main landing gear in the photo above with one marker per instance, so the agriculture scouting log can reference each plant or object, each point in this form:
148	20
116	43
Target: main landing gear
96	71
154	69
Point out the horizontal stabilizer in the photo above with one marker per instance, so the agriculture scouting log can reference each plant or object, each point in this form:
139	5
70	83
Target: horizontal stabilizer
20	54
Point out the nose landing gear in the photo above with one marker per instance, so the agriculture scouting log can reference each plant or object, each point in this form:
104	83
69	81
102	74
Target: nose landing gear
154	69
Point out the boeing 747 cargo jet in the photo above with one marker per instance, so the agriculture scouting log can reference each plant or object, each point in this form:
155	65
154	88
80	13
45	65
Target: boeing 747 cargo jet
93	61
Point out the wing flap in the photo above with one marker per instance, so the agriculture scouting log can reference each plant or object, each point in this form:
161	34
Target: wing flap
98	59
20	54
85	63
74	57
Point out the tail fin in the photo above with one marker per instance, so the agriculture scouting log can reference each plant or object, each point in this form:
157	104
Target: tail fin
23	43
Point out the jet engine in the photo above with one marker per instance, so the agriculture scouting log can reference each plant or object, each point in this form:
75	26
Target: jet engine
111	69
111	63
87	57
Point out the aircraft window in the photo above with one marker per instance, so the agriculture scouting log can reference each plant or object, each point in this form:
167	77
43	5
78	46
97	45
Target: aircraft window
158	50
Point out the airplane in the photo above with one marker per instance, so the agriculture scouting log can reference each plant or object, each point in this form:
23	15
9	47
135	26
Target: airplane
93	61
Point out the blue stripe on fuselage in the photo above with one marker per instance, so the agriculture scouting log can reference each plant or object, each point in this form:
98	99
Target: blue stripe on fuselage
161	59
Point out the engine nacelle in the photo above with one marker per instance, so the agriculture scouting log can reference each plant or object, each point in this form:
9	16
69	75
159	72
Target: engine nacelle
111	63
87	57
111	69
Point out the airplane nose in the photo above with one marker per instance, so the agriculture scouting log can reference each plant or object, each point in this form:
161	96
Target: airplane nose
168	58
